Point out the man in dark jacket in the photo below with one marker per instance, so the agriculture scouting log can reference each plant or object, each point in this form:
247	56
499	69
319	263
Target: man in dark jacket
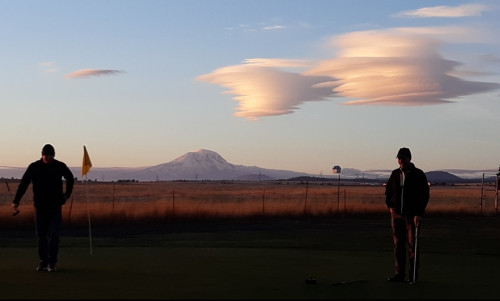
407	195
46	176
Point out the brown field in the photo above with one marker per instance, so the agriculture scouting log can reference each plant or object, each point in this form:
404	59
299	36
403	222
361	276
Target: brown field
110	203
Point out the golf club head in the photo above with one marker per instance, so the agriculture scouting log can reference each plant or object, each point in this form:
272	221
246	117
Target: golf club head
310	280
16	212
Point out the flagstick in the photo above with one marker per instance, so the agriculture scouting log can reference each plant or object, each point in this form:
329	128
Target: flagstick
88	213
86	165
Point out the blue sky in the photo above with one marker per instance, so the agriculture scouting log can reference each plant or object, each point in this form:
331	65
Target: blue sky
295	85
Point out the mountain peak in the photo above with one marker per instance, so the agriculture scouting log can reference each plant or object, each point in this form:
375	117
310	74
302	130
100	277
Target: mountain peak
203	158
202	150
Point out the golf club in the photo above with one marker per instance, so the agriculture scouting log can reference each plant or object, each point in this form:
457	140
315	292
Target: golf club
415	258
350	281
16	211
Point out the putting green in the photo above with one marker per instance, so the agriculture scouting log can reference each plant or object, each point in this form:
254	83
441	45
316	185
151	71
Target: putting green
259	263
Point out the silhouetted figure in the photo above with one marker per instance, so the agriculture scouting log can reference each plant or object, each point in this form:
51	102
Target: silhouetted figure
48	195
407	195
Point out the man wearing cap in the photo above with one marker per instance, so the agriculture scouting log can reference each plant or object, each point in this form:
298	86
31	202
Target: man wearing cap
407	195
46	176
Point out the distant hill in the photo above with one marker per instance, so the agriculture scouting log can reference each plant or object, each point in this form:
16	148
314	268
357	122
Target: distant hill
436	177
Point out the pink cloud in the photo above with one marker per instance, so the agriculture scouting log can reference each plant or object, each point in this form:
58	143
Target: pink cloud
394	68
401	67
91	72
264	90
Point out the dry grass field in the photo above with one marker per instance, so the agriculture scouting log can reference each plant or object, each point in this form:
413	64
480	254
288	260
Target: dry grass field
110	203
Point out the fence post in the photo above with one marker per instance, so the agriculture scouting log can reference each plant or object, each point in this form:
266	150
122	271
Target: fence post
113	203
482	196
305	202
496	192
344	202
263	199
338	195
173	202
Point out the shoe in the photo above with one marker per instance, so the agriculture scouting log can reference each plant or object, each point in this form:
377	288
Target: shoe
396	278
42	268
51	268
410	278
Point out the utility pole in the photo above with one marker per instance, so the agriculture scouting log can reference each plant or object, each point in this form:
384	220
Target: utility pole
496	190
336	170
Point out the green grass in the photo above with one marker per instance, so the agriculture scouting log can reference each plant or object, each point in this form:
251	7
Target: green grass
256	259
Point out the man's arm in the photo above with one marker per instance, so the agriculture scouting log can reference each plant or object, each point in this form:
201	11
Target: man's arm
389	191
70	181
424	194
23	186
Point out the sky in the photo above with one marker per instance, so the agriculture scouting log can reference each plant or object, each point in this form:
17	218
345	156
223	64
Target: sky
282	84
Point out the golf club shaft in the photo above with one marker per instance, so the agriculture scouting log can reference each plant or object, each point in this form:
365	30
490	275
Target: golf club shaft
415	255
16	211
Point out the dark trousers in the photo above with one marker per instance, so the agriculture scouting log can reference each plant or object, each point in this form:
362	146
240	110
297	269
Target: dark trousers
403	233
48	228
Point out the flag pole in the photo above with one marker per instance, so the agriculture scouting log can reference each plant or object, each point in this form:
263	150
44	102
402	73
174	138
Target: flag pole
88	213
86	165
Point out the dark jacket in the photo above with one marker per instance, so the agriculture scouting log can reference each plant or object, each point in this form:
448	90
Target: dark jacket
415	192
47	183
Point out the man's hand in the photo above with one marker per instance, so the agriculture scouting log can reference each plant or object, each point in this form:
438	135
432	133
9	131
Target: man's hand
417	220
65	198
15	206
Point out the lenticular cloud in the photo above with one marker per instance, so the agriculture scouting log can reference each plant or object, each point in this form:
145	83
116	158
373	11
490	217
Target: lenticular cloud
394	68
91	72
263	89
388	67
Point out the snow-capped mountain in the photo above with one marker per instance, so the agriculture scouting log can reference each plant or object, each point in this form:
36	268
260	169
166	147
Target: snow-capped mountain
208	165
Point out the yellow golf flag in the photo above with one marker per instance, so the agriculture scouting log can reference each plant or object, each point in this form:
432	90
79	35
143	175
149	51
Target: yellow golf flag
86	165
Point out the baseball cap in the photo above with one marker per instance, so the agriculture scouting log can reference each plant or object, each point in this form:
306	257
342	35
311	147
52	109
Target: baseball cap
48	150
404	152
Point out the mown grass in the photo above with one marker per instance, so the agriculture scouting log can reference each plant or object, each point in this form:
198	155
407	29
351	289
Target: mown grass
214	240
248	259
